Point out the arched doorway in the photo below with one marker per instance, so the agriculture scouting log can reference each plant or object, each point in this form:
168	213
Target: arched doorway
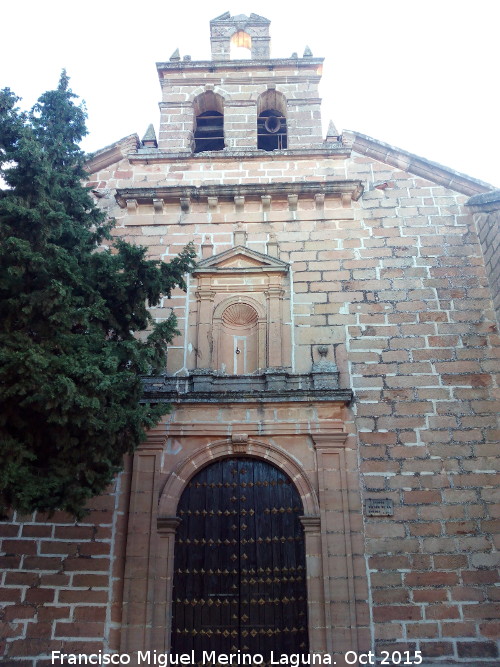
239	565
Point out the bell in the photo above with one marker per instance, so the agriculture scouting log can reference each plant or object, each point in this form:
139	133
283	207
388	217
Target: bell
272	124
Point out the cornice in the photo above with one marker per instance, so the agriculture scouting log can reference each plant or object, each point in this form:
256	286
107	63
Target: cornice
111	154
351	188
414	164
167	524
485	203
253	397
311	523
259	78
220	65
334	149
203	386
242	20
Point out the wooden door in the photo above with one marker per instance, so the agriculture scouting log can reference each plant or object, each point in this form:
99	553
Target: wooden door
239	568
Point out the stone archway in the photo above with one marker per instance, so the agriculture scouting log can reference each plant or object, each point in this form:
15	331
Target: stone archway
238	445
152	525
242	446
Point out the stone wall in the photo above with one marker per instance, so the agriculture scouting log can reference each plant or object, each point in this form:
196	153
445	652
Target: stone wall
61	582
182	84
422	350
395	284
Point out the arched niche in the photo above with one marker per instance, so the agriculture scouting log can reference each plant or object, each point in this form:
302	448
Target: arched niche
258	283
239	329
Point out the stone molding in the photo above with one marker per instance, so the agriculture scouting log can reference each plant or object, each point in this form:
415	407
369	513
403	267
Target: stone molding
272	386
154	443
167	524
215	263
485	203
196	85
332	431
223	65
111	154
311	523
337	150
352	188
414	164
224	448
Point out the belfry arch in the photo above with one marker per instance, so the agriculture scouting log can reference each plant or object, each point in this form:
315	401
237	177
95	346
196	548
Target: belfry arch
240	46
208	131
271	121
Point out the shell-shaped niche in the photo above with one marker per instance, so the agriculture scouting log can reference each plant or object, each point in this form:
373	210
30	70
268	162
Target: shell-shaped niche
239	315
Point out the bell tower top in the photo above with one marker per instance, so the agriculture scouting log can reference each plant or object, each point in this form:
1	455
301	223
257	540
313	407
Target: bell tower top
251	32
241	99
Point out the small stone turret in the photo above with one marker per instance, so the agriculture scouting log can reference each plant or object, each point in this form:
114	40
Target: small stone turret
249	31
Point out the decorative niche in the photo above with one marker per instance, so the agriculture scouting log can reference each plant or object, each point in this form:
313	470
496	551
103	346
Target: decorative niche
243	313
240	336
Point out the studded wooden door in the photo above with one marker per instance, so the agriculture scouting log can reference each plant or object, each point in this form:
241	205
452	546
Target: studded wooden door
239	568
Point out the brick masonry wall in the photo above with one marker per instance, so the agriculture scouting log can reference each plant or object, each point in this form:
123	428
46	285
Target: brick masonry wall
423	348
396	285
61	581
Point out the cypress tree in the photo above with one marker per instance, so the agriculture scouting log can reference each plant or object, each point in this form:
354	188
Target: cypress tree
70	312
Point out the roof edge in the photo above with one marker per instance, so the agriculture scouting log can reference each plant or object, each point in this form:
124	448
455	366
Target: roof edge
115	152
415	164
489	201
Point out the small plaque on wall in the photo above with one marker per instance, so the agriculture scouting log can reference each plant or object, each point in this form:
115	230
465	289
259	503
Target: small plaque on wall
379	507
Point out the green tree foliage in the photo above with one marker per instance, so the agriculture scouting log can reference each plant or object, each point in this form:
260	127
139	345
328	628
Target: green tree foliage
70	312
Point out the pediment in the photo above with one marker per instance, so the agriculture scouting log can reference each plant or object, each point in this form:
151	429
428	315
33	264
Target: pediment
241	259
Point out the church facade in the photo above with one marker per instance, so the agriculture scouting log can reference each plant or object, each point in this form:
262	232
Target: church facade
327	479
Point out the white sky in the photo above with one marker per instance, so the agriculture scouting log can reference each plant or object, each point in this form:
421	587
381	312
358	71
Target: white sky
421	75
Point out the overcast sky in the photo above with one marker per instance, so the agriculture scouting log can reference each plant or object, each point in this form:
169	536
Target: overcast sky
422	76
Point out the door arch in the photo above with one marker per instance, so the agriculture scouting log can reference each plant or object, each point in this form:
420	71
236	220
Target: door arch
239	563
